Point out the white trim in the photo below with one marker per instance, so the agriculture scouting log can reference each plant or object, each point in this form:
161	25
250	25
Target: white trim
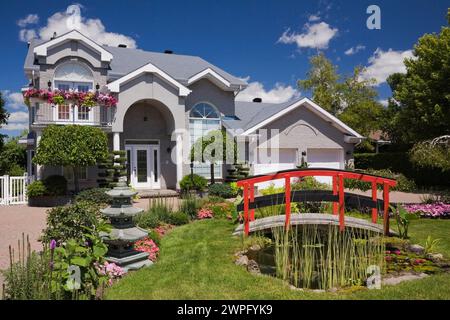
211	75
148	68
315	108
42	49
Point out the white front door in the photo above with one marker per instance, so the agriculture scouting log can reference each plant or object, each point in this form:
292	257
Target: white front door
143	166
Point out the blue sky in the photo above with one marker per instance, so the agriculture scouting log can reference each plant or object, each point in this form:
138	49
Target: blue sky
242	37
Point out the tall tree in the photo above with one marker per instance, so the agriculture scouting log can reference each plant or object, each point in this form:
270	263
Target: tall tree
3	118
361	110
322	80
72	146
351	98
420	105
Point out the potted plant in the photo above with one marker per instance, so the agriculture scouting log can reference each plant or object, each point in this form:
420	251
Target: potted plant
50	192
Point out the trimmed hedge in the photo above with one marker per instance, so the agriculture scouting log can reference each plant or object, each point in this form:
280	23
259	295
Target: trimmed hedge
399	162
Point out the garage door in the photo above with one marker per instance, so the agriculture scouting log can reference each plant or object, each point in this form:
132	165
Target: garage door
325	158
287	159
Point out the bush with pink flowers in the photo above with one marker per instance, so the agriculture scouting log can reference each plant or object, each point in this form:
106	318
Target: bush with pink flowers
432	210
204	213
149	246
111	270
88	99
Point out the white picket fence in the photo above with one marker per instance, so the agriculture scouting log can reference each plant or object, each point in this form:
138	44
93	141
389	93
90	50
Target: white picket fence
13	190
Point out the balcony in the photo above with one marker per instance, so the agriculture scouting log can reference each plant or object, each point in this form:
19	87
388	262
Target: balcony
47	113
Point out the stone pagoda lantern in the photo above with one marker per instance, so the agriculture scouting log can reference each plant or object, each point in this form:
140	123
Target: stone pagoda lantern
121	239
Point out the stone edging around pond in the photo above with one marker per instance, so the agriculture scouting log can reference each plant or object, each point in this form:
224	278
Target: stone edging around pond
241	259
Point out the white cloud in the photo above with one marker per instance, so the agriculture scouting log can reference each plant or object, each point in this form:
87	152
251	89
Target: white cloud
384	63
316	36
280	93
29	19
13	100
62	22
384	102
14	126
19	116
354	50
16	121
26	35
313	18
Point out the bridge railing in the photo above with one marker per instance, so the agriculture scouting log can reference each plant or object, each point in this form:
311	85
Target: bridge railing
338	185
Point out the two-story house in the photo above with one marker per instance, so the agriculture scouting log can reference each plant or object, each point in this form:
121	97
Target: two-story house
162	97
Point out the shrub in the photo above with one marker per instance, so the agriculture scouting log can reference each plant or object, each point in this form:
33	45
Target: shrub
223	190
403	183
72	222
146	220
36	189
179	218
190	205
16	170
204	214
96	195
195	182
309	183
56	185
221	210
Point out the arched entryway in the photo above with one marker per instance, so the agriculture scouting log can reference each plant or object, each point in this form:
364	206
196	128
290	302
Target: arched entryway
146	138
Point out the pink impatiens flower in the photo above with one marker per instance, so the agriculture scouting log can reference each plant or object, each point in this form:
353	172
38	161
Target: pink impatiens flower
149	246
204	214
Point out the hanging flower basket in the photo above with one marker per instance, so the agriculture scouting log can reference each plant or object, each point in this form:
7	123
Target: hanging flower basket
86	99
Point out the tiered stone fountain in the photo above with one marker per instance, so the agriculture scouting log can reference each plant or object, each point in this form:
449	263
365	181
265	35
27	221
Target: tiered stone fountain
124	233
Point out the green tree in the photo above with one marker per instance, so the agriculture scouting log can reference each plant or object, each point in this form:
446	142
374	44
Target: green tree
13	158
72	146
351	98
3	118
420	108
361	110
322	80
209	149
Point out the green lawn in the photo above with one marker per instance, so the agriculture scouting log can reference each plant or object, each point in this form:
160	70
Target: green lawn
196	262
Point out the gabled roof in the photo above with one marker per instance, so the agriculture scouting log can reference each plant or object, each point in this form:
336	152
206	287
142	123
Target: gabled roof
148	68
253	116
42	49
125	60
213	76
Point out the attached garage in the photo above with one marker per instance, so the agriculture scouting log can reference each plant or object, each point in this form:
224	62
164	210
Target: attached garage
287	159
325	158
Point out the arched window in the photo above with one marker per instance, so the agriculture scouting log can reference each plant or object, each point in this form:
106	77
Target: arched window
78	77
204	118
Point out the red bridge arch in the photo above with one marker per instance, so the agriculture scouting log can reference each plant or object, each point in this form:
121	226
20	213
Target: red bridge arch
338	186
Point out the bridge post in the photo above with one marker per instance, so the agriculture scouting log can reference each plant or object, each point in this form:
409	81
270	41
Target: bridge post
335	192
287	188
374	198
386	208
252	200
341	203
246	220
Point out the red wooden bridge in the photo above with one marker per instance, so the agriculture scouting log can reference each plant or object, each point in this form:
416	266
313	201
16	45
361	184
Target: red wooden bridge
337	196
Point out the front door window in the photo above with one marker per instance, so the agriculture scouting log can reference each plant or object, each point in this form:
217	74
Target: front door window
143	166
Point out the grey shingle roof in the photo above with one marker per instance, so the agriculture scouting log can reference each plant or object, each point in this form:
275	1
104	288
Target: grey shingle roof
252	113
125	60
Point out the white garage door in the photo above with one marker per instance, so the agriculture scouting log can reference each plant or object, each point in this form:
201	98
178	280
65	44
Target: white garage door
287	159
325	158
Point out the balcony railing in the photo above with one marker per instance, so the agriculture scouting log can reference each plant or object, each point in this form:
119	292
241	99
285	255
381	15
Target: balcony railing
46	113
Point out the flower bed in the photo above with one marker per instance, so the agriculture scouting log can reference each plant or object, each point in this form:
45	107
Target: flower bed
434	210
88	99
149	246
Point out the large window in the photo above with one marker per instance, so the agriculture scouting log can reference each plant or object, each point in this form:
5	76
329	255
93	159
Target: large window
77	77
204	118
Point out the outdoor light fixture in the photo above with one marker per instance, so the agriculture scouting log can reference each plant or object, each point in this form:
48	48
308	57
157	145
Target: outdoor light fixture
97	87
169	150
49	84
303	153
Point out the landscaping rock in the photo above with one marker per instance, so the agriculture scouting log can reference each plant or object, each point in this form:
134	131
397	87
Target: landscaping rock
253	267
292	287
242	261
394	280
416	248
435	257
255	247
